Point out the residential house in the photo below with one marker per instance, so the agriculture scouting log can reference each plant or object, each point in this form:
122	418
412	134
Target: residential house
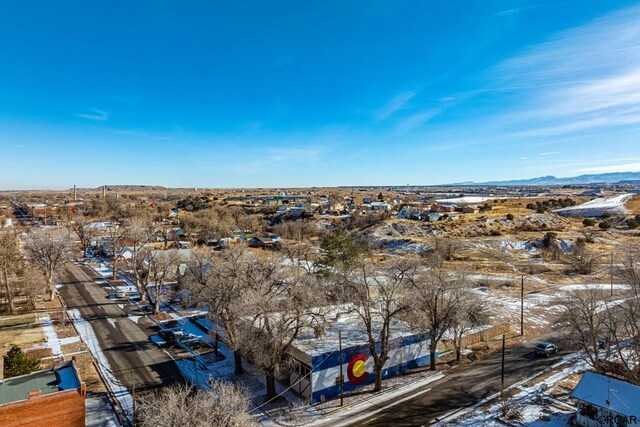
407	212
603	400
379	206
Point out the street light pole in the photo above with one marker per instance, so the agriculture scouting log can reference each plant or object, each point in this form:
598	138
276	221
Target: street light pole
522	306
341	376
502	370
611	275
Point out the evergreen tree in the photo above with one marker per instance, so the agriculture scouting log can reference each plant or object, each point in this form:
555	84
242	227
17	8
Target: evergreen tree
17	362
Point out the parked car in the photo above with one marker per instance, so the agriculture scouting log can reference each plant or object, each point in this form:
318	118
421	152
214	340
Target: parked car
546	349
168	336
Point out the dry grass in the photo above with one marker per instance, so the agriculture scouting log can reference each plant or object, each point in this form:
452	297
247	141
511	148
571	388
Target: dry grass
88	373
634	205
21	319
25	336
162	316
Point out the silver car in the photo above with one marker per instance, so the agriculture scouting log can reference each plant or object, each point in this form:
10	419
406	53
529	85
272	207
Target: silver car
546	349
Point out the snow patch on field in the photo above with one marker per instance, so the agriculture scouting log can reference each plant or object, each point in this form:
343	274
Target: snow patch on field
598	207
600	286
464	200
394	245
53	342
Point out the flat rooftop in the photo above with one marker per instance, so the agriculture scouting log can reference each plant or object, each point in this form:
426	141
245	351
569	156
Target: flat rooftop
47	381
345	320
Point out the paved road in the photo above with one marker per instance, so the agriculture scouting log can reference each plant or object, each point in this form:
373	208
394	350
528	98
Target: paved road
124	340
464	386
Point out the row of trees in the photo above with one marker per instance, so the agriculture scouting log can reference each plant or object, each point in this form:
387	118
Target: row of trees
606	328
260	303
30	273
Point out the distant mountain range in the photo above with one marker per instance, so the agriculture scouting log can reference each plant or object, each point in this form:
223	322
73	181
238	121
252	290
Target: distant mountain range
603	178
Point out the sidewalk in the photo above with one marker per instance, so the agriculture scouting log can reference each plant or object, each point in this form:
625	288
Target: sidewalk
364	407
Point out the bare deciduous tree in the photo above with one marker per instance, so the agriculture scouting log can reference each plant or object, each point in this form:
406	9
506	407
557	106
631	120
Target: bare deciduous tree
586	313
470	313
116	234
582	260
435	305
379	297
282	300
162	267
49	254
81	226
139	232
627	334
10	266
445	248
219	283
226	405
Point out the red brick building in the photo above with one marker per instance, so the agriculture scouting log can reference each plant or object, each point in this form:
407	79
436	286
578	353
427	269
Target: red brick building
53	397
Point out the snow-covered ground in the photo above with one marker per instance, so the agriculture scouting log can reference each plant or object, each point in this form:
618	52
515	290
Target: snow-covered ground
599	286
466	200
53	342
531	400
98	413
88	335
597	207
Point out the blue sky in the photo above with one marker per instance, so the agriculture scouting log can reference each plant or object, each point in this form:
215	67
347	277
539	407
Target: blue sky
291	93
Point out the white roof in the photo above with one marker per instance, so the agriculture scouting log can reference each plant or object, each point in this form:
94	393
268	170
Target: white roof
344	319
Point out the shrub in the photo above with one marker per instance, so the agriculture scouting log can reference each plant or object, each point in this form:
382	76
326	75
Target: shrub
604	225
510	217
588	222
548	239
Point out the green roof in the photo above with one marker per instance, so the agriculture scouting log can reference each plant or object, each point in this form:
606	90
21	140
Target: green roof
48	381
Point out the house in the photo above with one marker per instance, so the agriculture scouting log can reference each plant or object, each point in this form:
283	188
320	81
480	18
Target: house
603	400
469	209
433	217
317	358
264	242
126	253
407	212
380	206
51	397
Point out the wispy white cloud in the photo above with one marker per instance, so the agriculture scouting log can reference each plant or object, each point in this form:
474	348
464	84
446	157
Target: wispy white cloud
138	133
584	78
394	104
418	119
624	167
95	115
548	153
524	158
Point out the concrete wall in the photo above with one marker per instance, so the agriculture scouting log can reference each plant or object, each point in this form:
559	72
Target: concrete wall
64	408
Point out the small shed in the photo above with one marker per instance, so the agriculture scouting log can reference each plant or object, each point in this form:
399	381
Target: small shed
603	400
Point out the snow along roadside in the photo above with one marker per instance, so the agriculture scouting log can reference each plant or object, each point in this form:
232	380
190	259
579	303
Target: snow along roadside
89	337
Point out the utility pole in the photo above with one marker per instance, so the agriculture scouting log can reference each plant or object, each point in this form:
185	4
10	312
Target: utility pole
502	370
522	306
611	275
341	376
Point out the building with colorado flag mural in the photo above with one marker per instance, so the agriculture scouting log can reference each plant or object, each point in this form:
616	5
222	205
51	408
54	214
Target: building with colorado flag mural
316	354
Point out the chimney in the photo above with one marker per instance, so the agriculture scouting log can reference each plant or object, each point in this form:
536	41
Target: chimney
75	194
104	191
34	394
